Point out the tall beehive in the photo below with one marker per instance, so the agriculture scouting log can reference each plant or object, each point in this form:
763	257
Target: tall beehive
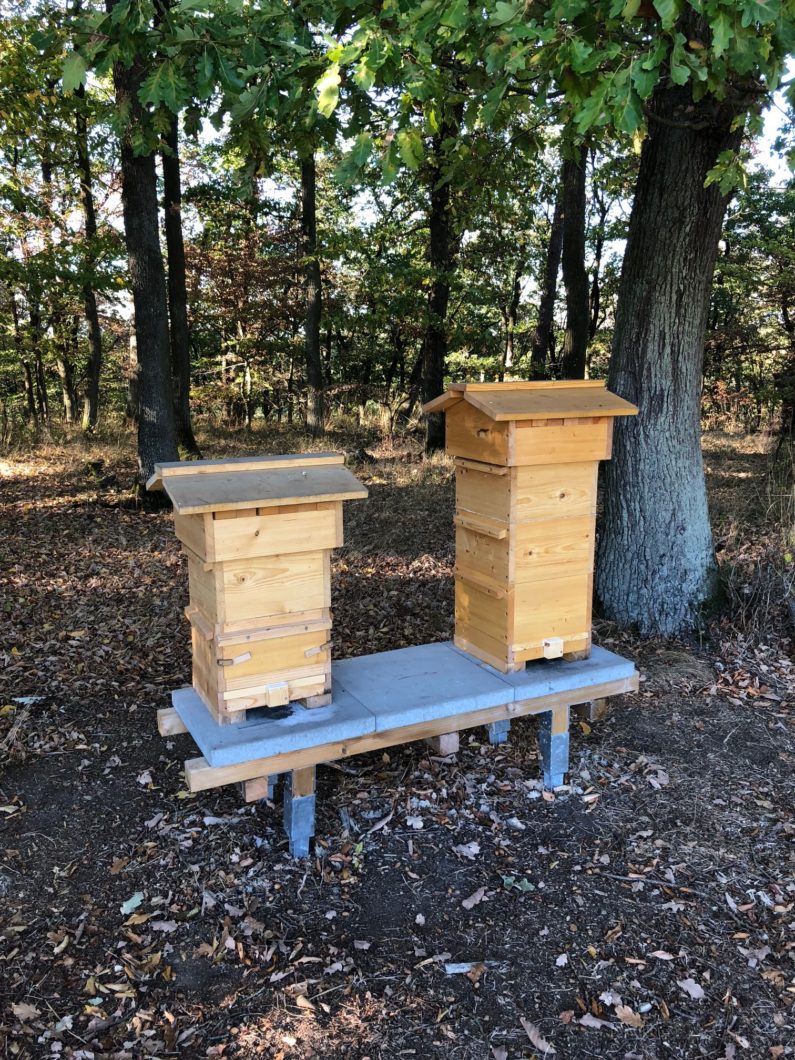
527	457
258	534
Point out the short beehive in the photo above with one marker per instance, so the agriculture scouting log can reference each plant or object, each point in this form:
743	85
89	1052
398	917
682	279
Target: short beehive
527	457
258	534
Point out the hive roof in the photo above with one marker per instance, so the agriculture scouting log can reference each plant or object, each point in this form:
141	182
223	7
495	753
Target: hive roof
542	400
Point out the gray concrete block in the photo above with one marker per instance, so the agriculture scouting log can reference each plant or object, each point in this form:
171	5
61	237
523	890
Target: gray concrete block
417	684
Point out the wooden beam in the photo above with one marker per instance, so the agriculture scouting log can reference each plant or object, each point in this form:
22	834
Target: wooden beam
169	723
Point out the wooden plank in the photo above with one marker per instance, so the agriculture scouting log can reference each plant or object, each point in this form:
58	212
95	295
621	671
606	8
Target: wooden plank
478	465
548	547
193	494
252	535
201	776
235	464
260	589
558	444
558	403
482	555
551	607
256	789
481	524
553	491
483	494
445	744
523	384
169	723
303	781
472	435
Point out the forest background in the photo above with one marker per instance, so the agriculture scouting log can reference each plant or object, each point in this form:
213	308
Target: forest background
255	215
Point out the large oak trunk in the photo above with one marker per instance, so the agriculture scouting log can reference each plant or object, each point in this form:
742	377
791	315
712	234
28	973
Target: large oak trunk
443	252
179	329
94	366
656	566
541	342
157	439
315	412
575	277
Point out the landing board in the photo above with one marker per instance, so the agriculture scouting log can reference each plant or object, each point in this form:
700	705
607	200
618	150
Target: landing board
392	690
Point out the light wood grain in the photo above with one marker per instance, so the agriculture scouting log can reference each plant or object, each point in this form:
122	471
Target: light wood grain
238	463
193	494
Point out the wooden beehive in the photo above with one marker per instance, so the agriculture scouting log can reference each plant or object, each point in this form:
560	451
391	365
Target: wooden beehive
258	534
527	458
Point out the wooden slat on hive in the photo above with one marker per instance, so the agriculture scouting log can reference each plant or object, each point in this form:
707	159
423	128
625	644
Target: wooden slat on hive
239	463
192	494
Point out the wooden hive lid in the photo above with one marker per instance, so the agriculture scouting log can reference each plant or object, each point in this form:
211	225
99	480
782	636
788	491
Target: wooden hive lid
199	486
554	400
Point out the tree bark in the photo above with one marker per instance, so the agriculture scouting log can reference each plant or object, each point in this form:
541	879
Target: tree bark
443	248
575	277
511	313
91	313
541	339
157	438
656	566
313	298
179	329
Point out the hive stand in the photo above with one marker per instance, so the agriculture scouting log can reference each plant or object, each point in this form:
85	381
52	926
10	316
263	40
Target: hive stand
258	534
395	697
527	457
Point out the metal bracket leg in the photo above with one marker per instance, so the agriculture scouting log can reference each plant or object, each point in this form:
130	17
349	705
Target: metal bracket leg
299	816
498	731
553	745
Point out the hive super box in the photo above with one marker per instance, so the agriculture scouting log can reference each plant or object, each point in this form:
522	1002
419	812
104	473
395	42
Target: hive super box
527	458
258	534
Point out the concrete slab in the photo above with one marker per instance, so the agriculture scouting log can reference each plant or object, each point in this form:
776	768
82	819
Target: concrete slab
270	732
560	675
420	683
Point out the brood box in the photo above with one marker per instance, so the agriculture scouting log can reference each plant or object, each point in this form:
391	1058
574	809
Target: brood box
527	458
258	534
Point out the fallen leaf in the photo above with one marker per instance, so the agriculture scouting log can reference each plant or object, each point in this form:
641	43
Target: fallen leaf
595	1024
419	920
467	850
132	903
415	822
537	1038
361	944
474	898
562	960
627	1016
691	988
499	1052
662	955
23	1011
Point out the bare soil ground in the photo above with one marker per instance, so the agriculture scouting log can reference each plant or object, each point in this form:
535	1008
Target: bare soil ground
644	911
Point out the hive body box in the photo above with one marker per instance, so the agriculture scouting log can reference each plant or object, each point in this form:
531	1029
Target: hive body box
527	459
258	534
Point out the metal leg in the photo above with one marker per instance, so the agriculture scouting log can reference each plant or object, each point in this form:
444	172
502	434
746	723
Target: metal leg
498	731
299	810
553	745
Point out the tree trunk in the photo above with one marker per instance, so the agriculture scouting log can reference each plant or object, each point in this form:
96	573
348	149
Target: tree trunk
313	298
94	366
656	565
541	339
157	438
442	253
63	367
575	277
177	289
511	314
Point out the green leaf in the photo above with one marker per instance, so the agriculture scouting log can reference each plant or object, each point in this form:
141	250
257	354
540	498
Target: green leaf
411	147
327	88
164	86
456	14
721	33
679	69
668	10
505	12
591	110
644	80
73	74
628	114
